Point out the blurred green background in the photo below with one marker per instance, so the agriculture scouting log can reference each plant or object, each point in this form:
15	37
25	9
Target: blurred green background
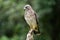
14	27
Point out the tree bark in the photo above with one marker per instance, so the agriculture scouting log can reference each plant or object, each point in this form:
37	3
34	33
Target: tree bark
30	35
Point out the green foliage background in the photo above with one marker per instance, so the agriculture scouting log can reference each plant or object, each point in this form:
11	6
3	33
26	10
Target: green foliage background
14	27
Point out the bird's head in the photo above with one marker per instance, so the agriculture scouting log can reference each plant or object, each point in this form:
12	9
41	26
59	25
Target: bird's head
27	7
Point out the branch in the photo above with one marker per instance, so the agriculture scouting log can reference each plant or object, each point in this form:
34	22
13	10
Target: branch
30	35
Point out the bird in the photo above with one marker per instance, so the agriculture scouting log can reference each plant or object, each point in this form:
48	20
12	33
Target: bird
31	18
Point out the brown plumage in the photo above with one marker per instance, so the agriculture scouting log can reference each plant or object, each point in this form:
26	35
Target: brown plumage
31	19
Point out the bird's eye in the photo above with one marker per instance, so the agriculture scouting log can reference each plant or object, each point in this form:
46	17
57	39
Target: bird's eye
25	7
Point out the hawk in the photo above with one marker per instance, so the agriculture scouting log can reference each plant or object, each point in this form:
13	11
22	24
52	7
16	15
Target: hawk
31	19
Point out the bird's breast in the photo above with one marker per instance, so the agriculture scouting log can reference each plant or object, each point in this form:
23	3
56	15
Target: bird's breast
28	15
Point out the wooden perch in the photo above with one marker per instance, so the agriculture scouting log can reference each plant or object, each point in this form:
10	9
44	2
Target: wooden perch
30	35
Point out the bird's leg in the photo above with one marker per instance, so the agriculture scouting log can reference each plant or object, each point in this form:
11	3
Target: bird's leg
35	28
31	27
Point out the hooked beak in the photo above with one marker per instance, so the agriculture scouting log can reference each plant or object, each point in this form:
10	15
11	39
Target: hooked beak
24	8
